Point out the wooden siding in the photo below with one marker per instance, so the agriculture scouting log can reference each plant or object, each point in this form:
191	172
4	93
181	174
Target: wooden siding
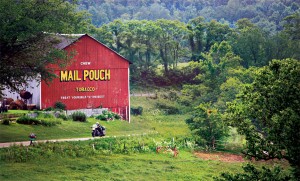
112	93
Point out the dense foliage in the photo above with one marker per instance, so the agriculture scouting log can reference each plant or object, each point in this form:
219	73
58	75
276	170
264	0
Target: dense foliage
207	126
27	41
151	44
265	13
267	113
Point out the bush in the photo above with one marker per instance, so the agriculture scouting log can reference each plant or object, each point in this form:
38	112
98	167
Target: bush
108	115
49	109
28	120
136	111
50	122
43	121
48	115
63	117
79	116
60	105
6	121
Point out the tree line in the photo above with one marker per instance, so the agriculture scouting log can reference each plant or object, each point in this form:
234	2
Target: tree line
267	14
242	77
149	44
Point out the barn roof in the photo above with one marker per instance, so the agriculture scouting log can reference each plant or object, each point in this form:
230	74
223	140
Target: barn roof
68	39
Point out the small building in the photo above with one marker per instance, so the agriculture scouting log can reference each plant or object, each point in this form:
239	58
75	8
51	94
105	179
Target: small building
96	77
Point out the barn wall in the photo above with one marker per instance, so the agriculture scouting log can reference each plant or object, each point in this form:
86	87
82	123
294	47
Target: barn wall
76	92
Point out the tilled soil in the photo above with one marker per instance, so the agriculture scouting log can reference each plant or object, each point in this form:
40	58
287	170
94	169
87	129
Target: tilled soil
225	157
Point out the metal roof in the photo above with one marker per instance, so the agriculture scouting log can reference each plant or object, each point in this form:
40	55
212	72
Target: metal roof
68	39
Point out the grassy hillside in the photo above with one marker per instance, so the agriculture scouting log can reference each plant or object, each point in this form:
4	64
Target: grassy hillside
145	166
152	121
112	158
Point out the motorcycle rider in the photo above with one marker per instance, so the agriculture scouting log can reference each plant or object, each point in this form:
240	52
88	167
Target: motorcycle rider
97	130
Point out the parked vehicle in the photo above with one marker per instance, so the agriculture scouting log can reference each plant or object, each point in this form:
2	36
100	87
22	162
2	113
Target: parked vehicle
98	130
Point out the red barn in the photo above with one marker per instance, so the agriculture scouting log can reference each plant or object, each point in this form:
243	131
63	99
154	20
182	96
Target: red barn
97	77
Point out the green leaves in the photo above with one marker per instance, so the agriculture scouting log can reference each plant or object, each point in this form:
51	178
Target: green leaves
26	38
271	103
207	126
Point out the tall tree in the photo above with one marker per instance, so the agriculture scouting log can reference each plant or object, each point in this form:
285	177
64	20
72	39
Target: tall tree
26	38
216	33
171	42
292	29
218	65
267	113
196	28
250	43
206	126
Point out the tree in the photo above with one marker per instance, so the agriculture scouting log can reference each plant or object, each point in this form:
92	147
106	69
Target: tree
267	113
27	41
219	65
216	33
207	126
250	44
292	30
134	39
196	37
170	42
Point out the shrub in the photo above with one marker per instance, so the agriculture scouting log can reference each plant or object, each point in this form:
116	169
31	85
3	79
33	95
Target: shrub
63	117
49	109
28	120
79	116
117	116
108	115
6	121
48	115
60	105
42	121
136	111
50	122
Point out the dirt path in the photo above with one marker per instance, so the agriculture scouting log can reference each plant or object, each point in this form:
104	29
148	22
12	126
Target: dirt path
26	143
220	156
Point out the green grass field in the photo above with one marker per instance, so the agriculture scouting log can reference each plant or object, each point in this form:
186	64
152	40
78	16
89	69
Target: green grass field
79	161
151	121
133	167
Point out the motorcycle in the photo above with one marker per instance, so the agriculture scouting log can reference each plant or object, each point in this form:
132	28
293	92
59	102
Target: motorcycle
98	131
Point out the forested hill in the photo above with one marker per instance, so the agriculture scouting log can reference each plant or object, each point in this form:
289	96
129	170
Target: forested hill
265	13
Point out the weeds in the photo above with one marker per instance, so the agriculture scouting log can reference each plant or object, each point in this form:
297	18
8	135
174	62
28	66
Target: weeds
47	120
108	116
112	145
